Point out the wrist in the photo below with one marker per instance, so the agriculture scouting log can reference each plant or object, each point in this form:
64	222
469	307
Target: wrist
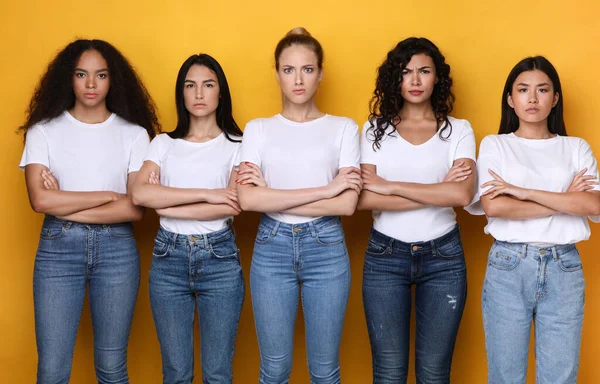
325	192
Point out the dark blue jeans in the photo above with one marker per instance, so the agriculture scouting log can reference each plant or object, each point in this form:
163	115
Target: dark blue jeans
196	271
437	269
71	256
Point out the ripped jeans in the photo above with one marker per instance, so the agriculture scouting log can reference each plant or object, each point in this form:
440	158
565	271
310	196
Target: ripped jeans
437	269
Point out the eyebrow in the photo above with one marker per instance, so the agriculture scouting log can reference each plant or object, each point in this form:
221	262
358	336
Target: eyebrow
527	85
100	70
424	67
203	82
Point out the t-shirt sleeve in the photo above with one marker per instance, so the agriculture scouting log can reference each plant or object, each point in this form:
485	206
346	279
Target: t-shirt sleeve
368	155
139	148
36	148
587	160
156	149
350	149
251	143
489	158
235	158
465	148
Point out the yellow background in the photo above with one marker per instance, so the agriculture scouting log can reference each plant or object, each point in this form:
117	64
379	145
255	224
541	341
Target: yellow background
481	40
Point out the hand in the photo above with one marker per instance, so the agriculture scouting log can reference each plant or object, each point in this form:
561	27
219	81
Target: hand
582	183
224	196
459	172
50	181
501	187
154	179
375	183
251	175
347	178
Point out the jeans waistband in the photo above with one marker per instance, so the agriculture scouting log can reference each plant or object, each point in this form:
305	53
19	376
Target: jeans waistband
391	242
201	240
525	249
67	224
309	227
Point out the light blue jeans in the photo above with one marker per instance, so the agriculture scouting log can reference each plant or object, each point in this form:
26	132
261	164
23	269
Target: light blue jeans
200	272
311	260
524	283
71	256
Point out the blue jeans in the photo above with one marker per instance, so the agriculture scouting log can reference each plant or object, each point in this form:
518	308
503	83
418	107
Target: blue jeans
524	283
438	270
310	259
70	256
204	271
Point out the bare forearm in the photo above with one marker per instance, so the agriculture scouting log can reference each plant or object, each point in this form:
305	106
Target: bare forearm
444	194
198	211
119	211
262	199
509	208
572	203
62	203
371	201
159	196
343	204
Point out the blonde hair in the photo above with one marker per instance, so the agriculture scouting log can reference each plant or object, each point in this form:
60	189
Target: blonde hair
299	36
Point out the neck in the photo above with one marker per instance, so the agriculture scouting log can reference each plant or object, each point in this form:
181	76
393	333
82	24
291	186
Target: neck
301	112
204	127
90	115
537	130
421	111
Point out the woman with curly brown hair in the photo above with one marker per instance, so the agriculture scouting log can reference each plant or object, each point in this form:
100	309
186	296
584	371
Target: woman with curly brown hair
417	164
87	132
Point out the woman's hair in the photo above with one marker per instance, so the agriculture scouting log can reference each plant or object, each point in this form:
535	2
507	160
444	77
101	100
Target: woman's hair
299	36
127	95
510	121
225	119
387	100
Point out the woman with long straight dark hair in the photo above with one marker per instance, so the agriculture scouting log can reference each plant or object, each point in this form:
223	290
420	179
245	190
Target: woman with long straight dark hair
189	178
417	164
87	132
537	185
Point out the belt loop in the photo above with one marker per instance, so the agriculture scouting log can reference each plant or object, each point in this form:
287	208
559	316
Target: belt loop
231	228
67	225
433	247
313	230
275	228
205	241
554	254
524	251
173	238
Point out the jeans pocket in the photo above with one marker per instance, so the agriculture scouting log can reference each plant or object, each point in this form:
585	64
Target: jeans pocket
503	258
376	249
121	230
224	249
52	230
161	249
264	234
570	261
331	235
451	250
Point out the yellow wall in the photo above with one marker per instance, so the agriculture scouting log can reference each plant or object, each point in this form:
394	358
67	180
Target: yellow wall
481	41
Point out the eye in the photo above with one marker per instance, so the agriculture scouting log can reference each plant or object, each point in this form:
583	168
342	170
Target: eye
287	70
209	85
189	85
405	72
542	90
425	71
81	75
102	75
308	70
522	90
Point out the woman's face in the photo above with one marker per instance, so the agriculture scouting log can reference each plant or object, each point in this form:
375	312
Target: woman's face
201	91
418	79
91	79
532	96
299	74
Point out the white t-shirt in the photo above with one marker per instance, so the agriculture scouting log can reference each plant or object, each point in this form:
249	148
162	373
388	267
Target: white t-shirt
185	164
427	163
548	165
87	157
295	155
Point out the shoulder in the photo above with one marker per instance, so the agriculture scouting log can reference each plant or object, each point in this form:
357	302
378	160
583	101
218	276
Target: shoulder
460	127
127	126
341	121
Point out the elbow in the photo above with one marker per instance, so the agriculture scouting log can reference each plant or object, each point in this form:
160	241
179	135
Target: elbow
136	198
490	211
246	202
363	204
138	214
38	205
464	200
348	210
596	209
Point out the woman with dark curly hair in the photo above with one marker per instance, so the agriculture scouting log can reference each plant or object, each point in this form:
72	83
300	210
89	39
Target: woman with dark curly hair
188	176
87	132
417	164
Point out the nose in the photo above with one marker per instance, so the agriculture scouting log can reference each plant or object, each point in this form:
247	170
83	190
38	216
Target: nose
90	82
199	93
298	80
415	78
533	97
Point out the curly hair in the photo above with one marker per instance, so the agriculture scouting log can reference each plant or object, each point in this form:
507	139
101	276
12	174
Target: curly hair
387	100
127	95
224	113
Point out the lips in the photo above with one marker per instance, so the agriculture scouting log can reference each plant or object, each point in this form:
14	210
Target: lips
415	92
199	105
90	95
299	91
532	110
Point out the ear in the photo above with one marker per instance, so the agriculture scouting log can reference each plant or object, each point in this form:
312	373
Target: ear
320	74
555	101
277	76
436	80
509	100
